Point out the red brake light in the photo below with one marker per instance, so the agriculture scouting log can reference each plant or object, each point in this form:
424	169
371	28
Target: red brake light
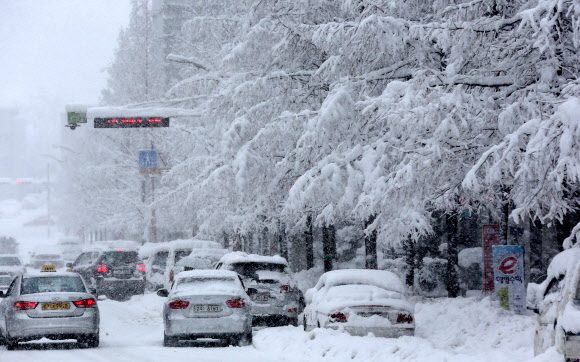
85	303
337	317
142	267
171	276
21	305
102	268
404	318
287	289
236	303
120	250
292	310
178	304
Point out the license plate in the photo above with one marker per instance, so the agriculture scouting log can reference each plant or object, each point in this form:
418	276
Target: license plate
55	306
263	297
206	308
122	273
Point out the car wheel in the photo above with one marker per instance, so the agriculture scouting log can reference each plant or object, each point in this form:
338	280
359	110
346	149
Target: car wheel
92	340
294	322
169	341
11	344
245	339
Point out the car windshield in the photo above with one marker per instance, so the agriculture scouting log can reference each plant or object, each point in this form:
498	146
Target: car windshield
202	284
36	285
121	257
249	269
9	261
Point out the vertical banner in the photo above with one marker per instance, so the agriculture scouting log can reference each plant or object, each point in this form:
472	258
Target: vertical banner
491	237
508	268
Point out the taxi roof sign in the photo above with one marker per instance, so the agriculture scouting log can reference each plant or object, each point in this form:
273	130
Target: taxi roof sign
48	268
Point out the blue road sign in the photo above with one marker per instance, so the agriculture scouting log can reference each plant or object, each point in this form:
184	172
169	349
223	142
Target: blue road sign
147	159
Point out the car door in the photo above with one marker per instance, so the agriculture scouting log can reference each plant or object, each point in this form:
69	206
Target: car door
548	314
6	304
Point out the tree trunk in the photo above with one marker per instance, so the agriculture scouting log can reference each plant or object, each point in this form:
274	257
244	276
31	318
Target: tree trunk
452	259
371	245
328	246
226	243
409	247
282	240
309	241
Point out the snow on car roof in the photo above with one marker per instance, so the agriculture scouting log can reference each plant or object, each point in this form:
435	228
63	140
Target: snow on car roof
207	252
380	278
564	262
469	256
149	249
211	273
38	273
106	245
241	257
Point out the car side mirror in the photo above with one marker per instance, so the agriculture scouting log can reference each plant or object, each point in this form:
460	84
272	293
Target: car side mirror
2	294
163	293
93	290
252	291
69	265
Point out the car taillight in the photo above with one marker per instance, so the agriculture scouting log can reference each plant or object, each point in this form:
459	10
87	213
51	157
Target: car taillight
287	289
292	310
171	276
236	303
178	304
21	305
404	318
85	303
142	267
337	317
102	268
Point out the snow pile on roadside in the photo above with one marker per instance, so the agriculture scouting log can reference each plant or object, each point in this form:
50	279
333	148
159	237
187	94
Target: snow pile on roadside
462	329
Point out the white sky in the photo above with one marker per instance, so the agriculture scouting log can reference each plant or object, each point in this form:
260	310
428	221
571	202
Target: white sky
54	52
57	48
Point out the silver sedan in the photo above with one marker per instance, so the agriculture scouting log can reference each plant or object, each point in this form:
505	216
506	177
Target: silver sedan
207	304
53	305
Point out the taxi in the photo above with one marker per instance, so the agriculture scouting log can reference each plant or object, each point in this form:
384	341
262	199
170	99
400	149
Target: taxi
48	304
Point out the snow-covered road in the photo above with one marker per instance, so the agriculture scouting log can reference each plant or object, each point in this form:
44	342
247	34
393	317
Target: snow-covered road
463	329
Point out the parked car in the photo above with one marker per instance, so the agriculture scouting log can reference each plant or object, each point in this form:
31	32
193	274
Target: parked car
41	259
203	258
207	304
164	256
117	274
361	301
269	284
48	305
11	264
556	302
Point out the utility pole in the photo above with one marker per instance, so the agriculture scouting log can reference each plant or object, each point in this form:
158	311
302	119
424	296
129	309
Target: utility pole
153	219
48	198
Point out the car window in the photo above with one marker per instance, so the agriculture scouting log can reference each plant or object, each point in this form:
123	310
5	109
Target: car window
200	284
249	269
121	257
10	261
11	288
35	285
83	259
160	259
554	286
577	294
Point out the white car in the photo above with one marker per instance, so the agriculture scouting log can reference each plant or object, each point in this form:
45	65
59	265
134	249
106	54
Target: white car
207	304
360	301
557	304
